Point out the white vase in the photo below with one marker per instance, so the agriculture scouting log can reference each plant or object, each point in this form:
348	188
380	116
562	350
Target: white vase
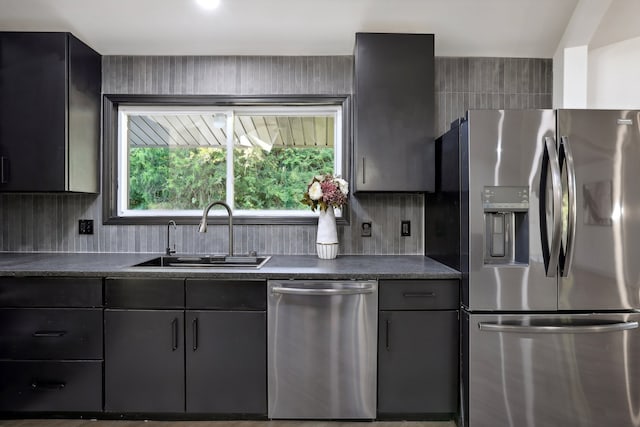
327	239
327	250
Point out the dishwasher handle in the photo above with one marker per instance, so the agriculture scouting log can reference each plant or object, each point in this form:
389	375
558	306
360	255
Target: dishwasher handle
347	290
561	329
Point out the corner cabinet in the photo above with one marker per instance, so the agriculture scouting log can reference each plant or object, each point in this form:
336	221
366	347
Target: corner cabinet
394	113
418	349
50	87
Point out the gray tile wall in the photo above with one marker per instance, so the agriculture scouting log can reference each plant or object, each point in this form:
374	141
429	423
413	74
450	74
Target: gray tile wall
44	223
490	83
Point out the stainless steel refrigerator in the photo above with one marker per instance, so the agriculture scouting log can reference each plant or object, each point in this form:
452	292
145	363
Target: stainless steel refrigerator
545	206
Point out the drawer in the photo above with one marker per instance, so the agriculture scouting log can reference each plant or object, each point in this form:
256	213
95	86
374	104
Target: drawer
419	295
57	333
50	292
144	293
45	386
227	294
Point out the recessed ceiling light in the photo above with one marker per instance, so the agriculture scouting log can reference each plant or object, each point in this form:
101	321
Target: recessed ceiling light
208	4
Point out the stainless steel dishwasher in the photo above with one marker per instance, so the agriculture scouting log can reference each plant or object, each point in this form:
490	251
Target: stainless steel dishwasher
322	349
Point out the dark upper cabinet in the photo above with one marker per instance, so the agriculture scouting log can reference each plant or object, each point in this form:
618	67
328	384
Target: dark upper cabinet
50	87
394	113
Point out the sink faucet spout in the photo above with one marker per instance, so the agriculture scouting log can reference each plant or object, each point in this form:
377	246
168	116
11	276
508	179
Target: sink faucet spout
203	222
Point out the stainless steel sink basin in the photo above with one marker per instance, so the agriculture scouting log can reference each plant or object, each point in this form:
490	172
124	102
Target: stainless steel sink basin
195	261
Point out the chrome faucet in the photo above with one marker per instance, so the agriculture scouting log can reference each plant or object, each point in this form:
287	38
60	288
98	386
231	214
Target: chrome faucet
203	222
168	250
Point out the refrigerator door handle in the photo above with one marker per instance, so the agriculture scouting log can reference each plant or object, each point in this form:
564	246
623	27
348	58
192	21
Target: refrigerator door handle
560	329
551	251
566	157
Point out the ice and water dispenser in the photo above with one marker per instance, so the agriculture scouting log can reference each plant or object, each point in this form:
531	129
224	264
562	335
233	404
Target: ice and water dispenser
506	220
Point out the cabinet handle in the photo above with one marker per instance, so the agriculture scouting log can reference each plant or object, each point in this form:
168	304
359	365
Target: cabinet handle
47	385
174	333
194	326
419	294
388	327
363	171
4	170
48	334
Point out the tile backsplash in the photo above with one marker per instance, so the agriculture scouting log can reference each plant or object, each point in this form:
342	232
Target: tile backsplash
49	223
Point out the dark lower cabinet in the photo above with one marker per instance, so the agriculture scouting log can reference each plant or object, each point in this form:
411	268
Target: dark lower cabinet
418	362
196	346
226	362
418	348
51	333
51	386
51	345
144	360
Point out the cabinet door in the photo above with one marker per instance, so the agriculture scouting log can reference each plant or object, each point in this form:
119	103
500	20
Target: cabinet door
144	360
418	362
226	362
32	111
394	112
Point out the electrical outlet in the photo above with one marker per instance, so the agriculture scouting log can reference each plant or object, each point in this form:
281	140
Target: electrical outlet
405	228
366	229
85	226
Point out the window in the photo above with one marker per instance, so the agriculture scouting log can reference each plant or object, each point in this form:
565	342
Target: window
169	158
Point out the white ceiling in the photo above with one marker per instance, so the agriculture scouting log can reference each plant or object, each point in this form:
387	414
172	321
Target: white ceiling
516	28
620	22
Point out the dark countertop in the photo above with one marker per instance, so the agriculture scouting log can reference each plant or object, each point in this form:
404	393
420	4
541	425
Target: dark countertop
280	266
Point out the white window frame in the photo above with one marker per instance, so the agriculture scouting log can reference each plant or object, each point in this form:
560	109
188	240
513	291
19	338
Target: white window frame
300	110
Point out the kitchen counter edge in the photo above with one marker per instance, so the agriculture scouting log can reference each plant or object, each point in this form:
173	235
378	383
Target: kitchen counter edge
57	264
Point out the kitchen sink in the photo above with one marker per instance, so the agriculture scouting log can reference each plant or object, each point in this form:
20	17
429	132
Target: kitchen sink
195	261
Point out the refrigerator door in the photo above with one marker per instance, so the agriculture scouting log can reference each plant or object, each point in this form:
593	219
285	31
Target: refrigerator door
604	272
553	371
503	264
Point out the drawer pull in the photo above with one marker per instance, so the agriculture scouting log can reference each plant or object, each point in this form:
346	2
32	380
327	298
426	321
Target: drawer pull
388	324
419	294
195	333
4	170
49	334
174	334
47	385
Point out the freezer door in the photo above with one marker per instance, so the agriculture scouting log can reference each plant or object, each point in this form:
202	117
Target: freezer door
552	371
502	151
604	272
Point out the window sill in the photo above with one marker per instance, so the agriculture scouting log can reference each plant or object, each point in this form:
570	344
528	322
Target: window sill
220	220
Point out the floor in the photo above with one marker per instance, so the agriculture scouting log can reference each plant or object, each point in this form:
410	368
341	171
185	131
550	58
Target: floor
102	423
